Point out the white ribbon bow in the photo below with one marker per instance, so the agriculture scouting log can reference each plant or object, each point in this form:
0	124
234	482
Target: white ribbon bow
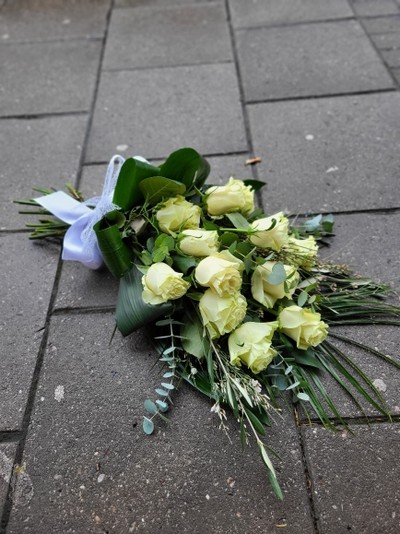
80	242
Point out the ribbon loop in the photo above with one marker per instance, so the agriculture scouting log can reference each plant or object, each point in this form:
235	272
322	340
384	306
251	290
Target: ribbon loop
80	242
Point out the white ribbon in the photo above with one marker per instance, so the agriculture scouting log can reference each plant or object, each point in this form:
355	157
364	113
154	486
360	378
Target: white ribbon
80	242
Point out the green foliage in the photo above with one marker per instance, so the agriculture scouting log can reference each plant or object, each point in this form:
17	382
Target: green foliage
127	192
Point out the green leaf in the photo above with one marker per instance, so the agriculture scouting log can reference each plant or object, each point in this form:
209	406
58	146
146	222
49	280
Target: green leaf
256	185
132	312
193	340
186	166
117	256
258	426
278	274
238	221
127	193
183	263
148	426
227	238
156	188
150	406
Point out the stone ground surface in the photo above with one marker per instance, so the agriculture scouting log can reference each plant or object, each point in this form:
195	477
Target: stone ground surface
310	86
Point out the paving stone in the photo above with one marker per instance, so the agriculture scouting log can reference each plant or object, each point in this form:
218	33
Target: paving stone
308	59
155	111
180	35
382	24
27	20
365	8
368	244
331	154
28	270
261	12
223	167
48	77
45	153
355	478
396	74
93	467
392	57
387	41
81	287
7	453
139	3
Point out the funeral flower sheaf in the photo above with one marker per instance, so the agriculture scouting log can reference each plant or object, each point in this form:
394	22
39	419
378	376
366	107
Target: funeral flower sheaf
243	305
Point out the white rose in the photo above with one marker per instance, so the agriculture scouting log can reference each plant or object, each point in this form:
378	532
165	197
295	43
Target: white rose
221	275
234	196
198	243
270	232
265	292
176	214
161	283
251	345
303	326
221	315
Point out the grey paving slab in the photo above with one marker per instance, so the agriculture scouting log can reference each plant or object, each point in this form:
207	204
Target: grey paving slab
28	275
48	77
365	8
80	287
396	74
42	152
330	154
355	479
382	24
7	453
266	12
180	35
223	167
27	20
139	3
387	41
368	244
157	110
391	57
308	60
93	468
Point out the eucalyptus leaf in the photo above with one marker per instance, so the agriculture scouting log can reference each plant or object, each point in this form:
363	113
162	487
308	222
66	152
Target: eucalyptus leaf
168	386
156	188
132	312
311	225
162	392
150	406
303	396
148	426
277	275
162	405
